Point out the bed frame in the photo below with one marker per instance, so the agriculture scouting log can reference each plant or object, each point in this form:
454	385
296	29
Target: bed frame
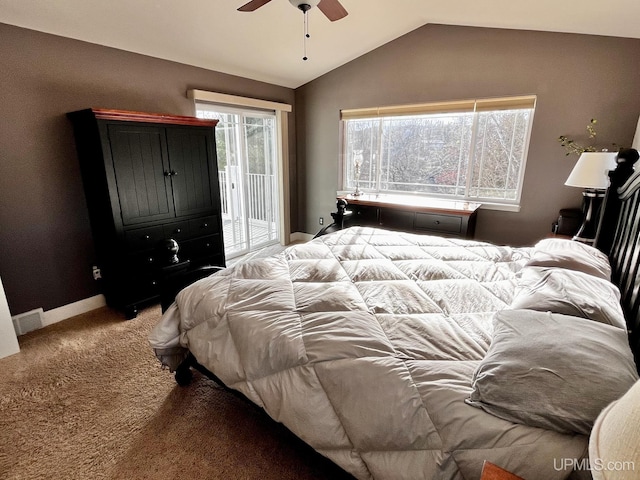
618	236
169	288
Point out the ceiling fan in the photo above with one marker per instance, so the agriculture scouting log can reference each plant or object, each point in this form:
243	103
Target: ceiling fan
332	9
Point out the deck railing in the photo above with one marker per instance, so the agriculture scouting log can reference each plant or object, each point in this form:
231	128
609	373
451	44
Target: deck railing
224	194
261	192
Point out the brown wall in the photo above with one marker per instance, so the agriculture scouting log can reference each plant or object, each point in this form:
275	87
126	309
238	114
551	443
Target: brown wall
45	239
575	77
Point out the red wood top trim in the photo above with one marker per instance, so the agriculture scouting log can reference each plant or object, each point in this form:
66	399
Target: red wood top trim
130	116
414	204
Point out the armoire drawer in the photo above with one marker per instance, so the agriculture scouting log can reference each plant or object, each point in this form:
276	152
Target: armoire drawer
200	247
200	227
179	231
147	261
142	285
143	238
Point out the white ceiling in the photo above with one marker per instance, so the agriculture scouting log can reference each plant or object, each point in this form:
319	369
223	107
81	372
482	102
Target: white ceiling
267	44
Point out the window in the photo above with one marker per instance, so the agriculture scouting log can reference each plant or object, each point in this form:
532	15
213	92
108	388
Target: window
473	150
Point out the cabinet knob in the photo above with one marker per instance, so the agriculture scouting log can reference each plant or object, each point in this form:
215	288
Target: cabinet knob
147	237
177	230
205	225
170	173
150	259
437	222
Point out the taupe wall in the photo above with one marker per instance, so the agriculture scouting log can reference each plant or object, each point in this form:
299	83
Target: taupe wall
46	247
575	77
45	237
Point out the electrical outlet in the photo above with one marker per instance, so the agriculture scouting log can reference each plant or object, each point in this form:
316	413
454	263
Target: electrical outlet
321	221
96	272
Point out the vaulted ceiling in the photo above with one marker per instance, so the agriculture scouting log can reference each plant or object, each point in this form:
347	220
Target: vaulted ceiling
267	44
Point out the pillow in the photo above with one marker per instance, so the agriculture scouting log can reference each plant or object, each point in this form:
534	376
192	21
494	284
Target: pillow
552	371
556	252
569	292
556	244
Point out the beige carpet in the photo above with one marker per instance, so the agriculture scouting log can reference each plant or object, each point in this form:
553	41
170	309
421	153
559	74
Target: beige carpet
86	399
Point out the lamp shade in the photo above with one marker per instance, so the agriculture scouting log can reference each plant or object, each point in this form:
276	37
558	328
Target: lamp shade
591	170
614	446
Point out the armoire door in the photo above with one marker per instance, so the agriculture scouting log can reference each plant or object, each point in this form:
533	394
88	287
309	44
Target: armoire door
142	173
194	174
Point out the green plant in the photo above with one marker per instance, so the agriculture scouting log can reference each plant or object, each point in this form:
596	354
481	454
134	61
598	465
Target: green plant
572	147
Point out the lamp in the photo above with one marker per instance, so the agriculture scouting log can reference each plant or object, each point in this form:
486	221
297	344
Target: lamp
357	164
614	445
590	173
636	138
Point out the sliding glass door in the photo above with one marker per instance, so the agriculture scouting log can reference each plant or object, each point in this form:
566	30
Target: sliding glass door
247	168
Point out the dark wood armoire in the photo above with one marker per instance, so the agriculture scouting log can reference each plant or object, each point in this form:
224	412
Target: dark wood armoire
148	178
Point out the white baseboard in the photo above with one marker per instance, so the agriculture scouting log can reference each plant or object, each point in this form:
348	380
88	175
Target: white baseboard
56	315
300	237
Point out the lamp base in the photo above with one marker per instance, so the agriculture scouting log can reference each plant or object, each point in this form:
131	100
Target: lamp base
585	240
591	203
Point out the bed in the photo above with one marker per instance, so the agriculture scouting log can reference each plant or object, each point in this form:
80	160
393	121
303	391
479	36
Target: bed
404	356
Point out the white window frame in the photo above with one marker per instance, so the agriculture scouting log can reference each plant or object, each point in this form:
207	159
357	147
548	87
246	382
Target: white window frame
282	129
474	106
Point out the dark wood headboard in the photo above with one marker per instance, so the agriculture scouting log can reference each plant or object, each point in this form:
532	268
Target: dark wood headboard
619	237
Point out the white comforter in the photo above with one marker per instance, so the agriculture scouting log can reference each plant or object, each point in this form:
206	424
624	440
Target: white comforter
363	343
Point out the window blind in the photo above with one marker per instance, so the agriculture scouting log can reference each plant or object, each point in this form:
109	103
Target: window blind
479	105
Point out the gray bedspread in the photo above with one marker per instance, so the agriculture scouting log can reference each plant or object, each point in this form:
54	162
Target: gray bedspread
364	343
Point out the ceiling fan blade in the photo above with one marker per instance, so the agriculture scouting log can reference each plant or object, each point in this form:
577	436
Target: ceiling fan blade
253	5
332	9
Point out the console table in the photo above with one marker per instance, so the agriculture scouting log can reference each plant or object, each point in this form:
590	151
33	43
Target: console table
410	213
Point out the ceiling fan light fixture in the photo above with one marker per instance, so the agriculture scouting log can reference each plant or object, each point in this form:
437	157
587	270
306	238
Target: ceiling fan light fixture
332	9
304	5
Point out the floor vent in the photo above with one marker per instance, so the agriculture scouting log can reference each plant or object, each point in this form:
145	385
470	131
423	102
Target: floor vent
28	321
